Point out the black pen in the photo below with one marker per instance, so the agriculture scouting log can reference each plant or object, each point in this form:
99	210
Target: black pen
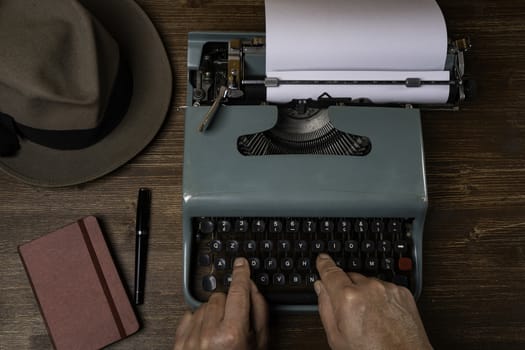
141	244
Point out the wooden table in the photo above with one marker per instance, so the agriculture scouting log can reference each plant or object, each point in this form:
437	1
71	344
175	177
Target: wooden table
474	247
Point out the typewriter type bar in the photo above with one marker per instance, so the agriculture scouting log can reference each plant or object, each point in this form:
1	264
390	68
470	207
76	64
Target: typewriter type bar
282	253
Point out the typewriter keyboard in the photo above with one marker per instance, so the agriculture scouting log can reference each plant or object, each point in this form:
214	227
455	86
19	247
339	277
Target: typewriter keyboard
282	252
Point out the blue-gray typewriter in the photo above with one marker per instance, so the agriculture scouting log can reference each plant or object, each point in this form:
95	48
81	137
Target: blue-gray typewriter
280	183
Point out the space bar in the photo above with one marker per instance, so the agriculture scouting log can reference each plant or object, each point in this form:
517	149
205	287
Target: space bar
290	298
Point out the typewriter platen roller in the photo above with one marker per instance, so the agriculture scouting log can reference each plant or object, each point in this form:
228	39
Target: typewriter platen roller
239	65
317	161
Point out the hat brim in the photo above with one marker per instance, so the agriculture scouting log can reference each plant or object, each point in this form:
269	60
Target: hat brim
142	47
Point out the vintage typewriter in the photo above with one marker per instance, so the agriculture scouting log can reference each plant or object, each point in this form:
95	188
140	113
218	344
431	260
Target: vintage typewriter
279	183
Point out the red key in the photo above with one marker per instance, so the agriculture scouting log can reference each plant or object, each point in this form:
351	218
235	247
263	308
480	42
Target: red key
404	264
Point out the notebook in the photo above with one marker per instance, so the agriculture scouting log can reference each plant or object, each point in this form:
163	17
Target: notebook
77	287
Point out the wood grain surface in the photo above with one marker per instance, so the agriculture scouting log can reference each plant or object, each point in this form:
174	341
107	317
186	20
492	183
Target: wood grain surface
474	243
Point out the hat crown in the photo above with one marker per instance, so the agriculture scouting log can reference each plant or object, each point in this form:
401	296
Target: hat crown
57	64
134	77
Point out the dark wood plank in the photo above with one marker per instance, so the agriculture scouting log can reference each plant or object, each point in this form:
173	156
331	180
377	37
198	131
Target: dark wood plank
474	248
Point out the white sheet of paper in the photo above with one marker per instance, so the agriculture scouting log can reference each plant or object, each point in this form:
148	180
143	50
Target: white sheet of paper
356	35
426	94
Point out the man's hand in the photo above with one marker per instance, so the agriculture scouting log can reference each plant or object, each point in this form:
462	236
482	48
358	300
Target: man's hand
365	313
237	321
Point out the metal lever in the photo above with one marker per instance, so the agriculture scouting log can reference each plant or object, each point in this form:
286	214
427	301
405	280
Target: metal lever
223	92
408	82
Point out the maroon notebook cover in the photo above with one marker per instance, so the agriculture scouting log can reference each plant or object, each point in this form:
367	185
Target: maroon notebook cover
77	286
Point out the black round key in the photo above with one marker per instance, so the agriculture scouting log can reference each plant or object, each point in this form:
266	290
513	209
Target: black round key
255	263
303	264
266	246
270	264
232	246
317	246
384	246
262	279
301	246
241	225
334	246
400	247
204	260
343	226
224	226
209	283
295	279
351	246
250	246
279	279
387	264
340	262
258	226
287	264
311	278
354	264
361	225
220	264
206	226
227	280
371	263
276	226
394	226
327	226
377	226
368	246
216	246
309	226
292	225
283	245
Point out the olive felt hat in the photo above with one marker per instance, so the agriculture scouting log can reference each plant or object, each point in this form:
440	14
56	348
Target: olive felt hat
85	85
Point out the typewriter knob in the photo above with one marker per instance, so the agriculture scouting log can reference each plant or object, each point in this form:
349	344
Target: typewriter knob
471	89
198	94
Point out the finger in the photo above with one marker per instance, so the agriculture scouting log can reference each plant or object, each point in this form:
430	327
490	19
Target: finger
193	340
214	311
357	278
334	279
327	314
183	330
237	309
259	316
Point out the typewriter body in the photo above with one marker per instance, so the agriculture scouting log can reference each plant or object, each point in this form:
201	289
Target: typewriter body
281	183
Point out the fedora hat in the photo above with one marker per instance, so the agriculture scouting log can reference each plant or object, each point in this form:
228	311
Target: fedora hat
85	85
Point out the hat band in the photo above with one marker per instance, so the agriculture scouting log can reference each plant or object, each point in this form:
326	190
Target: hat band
9	143
77	139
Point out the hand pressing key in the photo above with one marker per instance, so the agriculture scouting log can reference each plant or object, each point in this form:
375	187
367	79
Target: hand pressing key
236	321
365	313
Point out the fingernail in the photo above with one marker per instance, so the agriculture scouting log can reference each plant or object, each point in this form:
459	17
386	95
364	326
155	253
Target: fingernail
317	287
324	256
238	262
